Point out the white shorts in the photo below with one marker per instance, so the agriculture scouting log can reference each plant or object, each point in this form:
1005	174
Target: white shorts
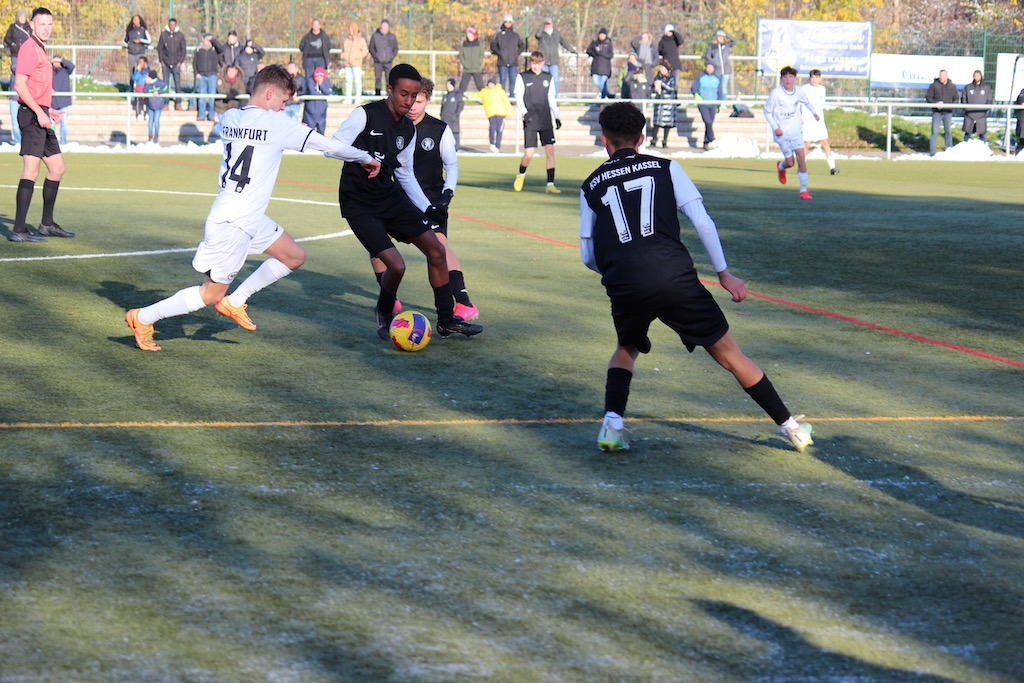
815	131
790	143
225	247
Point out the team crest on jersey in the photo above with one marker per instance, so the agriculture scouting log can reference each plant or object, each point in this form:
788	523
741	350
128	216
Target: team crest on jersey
545	83
400	142
427	144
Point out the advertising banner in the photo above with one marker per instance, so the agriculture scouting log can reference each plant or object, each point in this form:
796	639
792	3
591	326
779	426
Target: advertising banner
837	48
918	71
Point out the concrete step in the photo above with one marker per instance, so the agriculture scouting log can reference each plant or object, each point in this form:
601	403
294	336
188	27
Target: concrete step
107	122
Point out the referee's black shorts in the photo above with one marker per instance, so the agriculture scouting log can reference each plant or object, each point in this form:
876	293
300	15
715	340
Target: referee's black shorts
375	224
35	140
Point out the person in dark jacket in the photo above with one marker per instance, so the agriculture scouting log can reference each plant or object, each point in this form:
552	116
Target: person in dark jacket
663	88
718	53
136	41
248	61
293	107
976	120
668	48
62	70
315	47
549	41
507	45
601	53
17	33
204	66
383	50
171	50
451	108
942	91
314	114
230	49
471	57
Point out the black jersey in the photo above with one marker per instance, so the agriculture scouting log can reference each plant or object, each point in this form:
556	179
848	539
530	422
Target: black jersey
384	138
635	224
535	99
428	164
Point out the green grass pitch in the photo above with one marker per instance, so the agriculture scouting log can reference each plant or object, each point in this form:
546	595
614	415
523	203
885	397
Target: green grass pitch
306	503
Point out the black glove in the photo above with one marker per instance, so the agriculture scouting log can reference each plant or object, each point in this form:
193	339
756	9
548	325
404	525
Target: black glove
446	199
436	213
558	124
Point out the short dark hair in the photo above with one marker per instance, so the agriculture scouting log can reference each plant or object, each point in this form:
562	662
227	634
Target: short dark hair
536	56
622	124
814	72
788	71
153	74
403	71
275	76
41	10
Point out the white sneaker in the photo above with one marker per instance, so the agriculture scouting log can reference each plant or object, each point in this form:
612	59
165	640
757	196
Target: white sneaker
494	150
610	439
800	437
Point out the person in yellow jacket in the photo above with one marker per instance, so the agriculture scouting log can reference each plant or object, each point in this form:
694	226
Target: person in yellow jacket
497	107
353	53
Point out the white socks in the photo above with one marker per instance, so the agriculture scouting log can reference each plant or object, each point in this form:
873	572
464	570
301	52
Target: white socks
803	180
613	419
269	272
185	301
831	161
791	423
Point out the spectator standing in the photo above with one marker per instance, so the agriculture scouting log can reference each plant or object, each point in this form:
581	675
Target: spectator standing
231	84
664	88
293	107
550	42
315	47
204	66
138	83
315	113
601	53
136	40
719	53
976	120
942	91
33	80
383	49
451	108
639	88
155	89
171	50
17	33
62	70
646	54
471	57
707	86
230	49
353	53
536	105
507	45
668	49
497	108
248	62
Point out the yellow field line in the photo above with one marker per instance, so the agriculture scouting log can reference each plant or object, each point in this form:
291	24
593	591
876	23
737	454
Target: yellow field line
481	421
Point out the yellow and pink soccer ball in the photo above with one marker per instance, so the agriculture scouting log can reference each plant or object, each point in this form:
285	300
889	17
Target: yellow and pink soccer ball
410	331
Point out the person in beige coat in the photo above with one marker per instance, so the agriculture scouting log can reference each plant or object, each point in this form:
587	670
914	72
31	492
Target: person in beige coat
353	52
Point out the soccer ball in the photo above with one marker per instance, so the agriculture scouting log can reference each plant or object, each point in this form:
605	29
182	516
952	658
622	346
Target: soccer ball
410	331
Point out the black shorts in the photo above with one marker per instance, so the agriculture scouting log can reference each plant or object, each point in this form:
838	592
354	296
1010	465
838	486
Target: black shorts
36	141
530	135
375	225
682	303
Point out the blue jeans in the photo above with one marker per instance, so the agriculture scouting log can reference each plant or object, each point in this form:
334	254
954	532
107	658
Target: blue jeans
507	77
353	82
205	85
946	117
63	125
553	70
601	81
154	121
725	84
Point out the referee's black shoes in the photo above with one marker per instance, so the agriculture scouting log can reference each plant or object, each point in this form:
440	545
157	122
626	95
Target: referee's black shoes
24	237
55	231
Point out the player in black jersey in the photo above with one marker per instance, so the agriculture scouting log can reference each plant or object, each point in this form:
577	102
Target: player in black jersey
629	233
378	209
535	105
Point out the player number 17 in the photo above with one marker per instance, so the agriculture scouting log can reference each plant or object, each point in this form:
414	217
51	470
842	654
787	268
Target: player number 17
613	200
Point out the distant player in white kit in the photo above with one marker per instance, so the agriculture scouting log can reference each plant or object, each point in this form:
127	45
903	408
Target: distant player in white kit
814	128
783	113
254	139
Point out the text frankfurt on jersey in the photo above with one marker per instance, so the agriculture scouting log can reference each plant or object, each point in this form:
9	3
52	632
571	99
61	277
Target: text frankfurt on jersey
624	170
232	133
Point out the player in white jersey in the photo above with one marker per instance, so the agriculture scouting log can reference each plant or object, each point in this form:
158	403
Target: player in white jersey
815	129
254	139
783	113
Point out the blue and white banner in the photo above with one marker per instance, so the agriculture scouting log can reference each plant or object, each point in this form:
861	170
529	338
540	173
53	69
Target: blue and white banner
918	71
836	48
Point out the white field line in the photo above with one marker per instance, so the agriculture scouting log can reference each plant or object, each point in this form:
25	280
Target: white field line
153	252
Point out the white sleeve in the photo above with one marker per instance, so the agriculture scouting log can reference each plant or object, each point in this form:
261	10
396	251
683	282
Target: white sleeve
518	90
406	176
552	102
449	159
769	110
806	102
335	149
690	202
587	218
350	128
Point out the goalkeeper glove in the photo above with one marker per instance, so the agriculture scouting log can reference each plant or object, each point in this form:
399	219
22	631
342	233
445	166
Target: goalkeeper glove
558	124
